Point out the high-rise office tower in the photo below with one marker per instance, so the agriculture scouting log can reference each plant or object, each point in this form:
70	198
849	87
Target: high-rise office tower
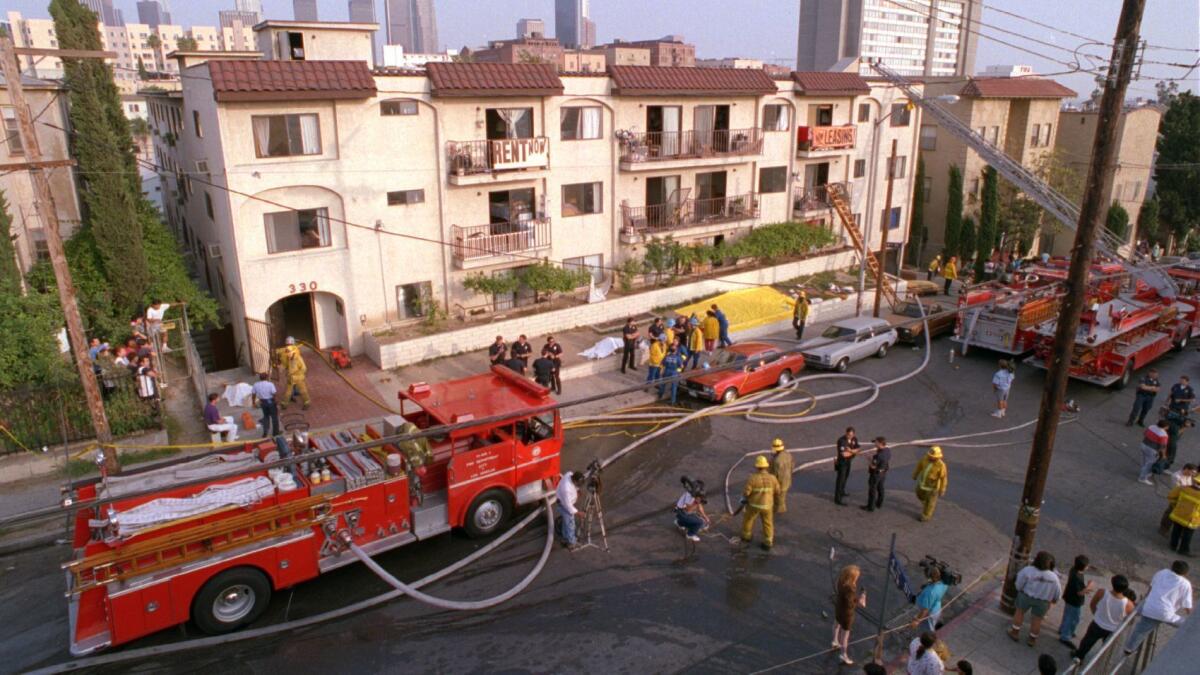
411	24
912	37
361	11
104	10
572	26
249	6
152	13
527	28
305	10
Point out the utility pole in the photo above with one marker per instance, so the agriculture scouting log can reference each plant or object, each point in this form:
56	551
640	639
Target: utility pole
1054	392
58	257
885	225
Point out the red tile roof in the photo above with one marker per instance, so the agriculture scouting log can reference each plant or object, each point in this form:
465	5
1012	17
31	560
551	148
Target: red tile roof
830	84
1015	87
494	79
290	80
676	81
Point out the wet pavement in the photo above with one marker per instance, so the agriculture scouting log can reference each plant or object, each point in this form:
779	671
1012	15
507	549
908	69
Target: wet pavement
647	606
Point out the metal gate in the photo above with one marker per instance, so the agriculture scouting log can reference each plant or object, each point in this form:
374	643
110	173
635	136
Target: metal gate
259	339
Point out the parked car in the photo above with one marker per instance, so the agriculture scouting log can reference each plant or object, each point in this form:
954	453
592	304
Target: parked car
911	333
756	366
847	341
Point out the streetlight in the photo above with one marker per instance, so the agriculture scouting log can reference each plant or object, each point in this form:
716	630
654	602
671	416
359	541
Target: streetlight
946	98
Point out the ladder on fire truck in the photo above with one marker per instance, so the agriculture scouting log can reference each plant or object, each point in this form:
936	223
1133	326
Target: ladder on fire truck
837	197
193	543
1063	209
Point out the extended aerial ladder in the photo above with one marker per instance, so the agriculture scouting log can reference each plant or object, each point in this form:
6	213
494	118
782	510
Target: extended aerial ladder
1063	209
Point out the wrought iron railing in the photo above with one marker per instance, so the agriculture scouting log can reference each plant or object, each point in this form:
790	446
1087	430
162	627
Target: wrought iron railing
813	198
483	241
467	158
657	146
1110	657
688	213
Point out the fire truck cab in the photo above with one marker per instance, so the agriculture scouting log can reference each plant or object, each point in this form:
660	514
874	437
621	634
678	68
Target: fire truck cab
155	554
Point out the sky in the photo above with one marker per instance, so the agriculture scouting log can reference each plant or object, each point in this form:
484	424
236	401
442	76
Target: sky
766	29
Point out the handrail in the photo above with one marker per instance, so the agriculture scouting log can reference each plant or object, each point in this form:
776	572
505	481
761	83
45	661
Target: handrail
482	241
652	146
689	213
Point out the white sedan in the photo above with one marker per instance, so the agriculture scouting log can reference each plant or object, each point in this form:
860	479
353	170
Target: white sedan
847	341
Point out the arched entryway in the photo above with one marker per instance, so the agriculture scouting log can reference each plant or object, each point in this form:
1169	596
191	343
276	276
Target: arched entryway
315	317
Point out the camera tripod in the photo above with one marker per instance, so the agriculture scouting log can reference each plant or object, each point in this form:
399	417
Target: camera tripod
593	509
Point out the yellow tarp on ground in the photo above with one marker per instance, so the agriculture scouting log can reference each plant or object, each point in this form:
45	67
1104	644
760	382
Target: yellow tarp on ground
746	308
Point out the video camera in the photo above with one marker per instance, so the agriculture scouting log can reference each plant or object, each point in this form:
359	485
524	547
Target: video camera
930	563
591	476
695	488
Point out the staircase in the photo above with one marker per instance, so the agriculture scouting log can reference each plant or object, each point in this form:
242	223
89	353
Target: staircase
839	199
204	349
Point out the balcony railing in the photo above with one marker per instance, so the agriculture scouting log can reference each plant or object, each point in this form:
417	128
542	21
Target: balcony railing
658	146
826	138
656	218
466	158
484	241
813	198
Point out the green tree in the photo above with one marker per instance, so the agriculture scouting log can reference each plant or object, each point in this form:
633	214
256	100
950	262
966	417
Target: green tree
186	44
10	274
547	278
1021	218
143	74
1147	221
952	241
1117	221
1177	169
918	234
967	242
989	219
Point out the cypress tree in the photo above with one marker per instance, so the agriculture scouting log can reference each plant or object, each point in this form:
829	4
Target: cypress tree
103	147
967	242
916	239
989	220
10	274
954	208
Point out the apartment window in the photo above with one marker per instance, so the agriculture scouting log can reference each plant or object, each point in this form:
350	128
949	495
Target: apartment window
864	112
1036	138
894	221
1047	134
196	123
982	131
994	136
901	114
775	117
41	250
928	137
927	189
297	230
973	187
1134	189
593	264
208	207
581	199
392	108
413	300
286	135
824	115
399	197
11	132
508	123
860	168
772	179
897	171
580	123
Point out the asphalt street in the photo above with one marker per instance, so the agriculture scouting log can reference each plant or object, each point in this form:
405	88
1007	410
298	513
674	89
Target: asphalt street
644	606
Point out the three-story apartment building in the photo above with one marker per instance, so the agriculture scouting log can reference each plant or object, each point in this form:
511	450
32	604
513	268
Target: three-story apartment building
326	199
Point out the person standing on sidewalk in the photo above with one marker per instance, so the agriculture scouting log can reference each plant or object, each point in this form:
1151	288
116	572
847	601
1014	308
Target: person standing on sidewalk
1154	449
521	349
950	273
1109	609
658	352
1182	396
1183	477
922	659
695	345
656	328
553	351
1038	587
758	500
722	326
543	371
877	470
1185	516
498	352
800	313
935	266
629	339
264	392
781	468
847	450
1168	601
1143	399
297	373
1001	384
567	492
847	599
1073	596
672	366
932	479
711	329
929	601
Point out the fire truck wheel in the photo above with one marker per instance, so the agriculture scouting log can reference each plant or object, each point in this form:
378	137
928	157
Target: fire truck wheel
488	512
1183	342
1125	377
230	600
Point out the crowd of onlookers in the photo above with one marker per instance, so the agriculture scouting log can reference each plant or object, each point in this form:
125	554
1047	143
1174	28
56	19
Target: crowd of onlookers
137	357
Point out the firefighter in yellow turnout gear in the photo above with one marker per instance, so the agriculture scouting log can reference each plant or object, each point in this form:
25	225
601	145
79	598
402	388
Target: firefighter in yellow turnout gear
781	468
760	495
293	365
932	478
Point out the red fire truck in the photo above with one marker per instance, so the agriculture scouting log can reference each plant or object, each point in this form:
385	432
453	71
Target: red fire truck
214	552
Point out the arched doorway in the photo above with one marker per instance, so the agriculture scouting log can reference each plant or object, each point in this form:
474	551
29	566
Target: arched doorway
317	318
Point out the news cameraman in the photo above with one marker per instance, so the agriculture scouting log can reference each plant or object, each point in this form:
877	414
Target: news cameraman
568	492
929	600
689	510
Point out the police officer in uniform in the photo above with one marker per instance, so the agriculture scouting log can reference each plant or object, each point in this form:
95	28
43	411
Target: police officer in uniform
760	498
847	449
553	351
498	352
521	349
781	468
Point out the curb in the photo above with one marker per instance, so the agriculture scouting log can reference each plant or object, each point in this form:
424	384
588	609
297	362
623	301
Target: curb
12	546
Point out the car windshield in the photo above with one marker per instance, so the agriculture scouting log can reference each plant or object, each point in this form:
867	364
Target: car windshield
837	332
909	309
725	358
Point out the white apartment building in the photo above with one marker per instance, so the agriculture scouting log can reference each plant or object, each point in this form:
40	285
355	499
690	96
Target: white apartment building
343	200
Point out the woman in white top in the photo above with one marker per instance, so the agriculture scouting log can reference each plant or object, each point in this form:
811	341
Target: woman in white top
1038	587
1109	609
922	659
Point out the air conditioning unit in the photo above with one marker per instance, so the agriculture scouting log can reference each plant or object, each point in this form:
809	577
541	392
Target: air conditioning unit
214	250
202	165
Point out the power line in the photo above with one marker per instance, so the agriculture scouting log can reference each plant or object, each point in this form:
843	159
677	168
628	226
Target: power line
1077	35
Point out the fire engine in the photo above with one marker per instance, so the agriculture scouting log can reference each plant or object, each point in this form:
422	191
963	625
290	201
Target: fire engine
155	554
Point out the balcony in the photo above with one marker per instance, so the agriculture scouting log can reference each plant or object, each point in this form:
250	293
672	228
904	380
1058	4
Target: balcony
810	200
482	245
647	151
814	141
691	217
493	161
